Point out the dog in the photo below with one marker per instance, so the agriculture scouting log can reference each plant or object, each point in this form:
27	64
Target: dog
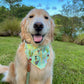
37	30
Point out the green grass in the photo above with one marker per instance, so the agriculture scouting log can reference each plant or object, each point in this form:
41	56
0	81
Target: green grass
68	64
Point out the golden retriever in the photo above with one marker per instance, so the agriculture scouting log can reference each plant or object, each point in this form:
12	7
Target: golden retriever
37	29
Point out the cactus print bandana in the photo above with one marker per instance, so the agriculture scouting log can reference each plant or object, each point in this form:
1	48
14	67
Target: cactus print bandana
38	55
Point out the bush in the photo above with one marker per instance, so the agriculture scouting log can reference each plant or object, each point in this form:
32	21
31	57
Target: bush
10	27
58	36
80	39
66	38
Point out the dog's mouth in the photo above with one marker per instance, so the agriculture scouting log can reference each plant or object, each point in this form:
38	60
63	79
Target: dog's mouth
37	38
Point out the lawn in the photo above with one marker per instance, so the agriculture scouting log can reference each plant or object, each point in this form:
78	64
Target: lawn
68	64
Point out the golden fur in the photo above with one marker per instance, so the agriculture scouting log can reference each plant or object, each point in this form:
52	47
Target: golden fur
17	71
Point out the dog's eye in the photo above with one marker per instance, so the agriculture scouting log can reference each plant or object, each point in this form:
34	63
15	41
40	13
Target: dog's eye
45	17
31	16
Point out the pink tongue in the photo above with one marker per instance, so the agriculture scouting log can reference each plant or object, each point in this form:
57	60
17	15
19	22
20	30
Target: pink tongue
37	38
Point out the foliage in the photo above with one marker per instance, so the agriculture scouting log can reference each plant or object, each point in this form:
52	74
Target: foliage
68	26
11	26
57	35
3	13
11	3
9	18
80	39
21	11
68	63
73	8
16	9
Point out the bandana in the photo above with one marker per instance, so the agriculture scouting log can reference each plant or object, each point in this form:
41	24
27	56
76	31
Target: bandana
38	55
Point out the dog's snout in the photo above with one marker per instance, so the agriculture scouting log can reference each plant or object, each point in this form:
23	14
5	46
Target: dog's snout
38	26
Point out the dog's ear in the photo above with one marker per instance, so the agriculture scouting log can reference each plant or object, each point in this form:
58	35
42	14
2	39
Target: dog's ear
52	29
23	29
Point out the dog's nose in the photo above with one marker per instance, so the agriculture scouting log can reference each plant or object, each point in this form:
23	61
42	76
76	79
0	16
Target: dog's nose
38	26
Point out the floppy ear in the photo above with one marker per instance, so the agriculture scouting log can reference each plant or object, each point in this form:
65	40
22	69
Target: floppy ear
23	29
52	29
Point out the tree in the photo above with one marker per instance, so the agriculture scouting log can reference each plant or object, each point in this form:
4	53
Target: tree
73	8
12	5
3	13
73	24
21	11
16	9
12	2
80	3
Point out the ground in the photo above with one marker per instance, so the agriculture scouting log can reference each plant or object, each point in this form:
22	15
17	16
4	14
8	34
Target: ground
68	64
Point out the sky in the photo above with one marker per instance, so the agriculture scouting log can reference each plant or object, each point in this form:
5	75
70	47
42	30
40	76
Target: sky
51	6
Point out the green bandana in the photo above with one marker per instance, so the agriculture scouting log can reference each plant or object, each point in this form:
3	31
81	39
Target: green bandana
38	55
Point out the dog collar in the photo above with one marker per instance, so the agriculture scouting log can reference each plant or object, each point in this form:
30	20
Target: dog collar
38	55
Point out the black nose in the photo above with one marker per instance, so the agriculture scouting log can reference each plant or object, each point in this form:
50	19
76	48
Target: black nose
38	26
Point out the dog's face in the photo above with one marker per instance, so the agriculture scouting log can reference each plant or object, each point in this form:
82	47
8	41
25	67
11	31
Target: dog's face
38	26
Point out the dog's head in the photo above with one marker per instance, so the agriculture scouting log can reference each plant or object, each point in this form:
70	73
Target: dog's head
37	27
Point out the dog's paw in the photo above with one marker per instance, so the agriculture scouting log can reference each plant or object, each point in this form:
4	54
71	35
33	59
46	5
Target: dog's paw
5	76
3	69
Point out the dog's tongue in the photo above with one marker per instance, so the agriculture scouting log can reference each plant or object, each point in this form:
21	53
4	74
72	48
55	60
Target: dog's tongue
37	38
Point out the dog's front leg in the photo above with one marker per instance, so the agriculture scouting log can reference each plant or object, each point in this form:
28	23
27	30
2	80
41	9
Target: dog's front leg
21	65
21	75
49	80
21	70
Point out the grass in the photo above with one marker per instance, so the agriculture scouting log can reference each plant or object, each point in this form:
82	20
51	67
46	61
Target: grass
68	64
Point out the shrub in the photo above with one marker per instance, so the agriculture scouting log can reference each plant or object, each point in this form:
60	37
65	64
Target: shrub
58	36
66	38
80	39
10	27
